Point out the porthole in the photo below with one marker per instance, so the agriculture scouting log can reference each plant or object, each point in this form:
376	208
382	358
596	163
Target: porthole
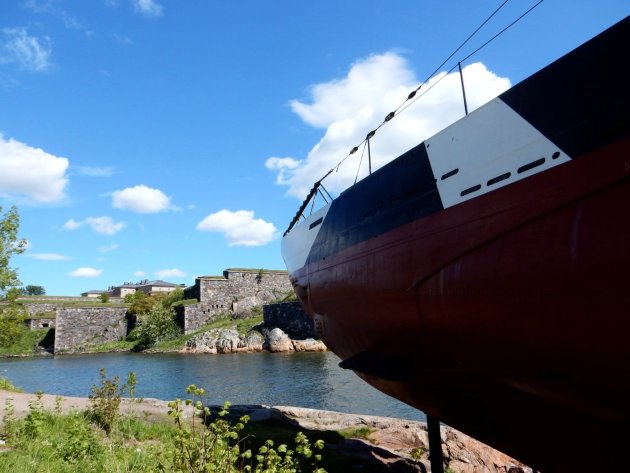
531	165
500	178
470	190
449	174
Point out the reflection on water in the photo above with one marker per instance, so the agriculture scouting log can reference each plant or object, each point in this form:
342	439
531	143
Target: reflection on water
293	379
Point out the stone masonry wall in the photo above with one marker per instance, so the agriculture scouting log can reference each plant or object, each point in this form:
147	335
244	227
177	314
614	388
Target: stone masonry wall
81	327
41	323
291	319
236	292
37	308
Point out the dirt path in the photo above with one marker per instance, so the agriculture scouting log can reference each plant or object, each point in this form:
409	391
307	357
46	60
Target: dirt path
153	409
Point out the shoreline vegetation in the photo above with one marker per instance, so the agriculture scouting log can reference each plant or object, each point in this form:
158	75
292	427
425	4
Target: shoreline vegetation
109	432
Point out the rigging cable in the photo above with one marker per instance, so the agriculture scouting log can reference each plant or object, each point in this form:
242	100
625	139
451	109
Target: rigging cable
413	95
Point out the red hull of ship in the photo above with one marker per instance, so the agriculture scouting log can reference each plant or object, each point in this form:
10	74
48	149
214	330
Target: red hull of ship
510	312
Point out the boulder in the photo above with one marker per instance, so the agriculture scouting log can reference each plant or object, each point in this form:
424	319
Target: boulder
254	341
278	341
309	344
228	341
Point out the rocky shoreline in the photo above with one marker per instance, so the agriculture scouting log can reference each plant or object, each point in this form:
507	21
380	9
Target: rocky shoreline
228	340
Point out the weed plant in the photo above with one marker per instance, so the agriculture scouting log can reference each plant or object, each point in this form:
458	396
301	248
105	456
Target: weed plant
104	440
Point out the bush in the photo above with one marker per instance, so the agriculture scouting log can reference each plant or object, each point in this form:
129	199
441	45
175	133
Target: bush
12	327
157	325
215	445
104	298
105	399
140	303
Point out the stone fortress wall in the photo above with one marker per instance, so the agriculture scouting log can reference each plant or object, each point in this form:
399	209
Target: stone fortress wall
79	328
234	293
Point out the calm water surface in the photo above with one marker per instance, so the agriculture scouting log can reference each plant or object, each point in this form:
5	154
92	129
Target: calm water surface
295	379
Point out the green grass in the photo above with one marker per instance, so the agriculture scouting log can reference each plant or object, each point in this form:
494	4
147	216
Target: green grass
71	303
26	344
117	345
6	385
46	440
184	302
70	443
356	433
43	315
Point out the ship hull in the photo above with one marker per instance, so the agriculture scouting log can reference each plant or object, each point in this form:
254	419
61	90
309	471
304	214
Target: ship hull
505	314
507	317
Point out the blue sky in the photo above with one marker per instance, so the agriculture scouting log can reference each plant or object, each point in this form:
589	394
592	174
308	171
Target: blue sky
162	139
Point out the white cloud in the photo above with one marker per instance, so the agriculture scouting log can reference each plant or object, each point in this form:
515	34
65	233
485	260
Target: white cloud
139	274
170	273
105	171
283	166
104	225
239	228
30	52
31	172
108	248
149	8
352	106
85	273
141	199
72	224
49	256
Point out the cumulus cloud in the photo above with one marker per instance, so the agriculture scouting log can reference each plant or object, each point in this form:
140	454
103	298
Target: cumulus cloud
170	273
139	274
141	199
283	166
30	52
104	225
31	172
348	108
85	272
148	8
108	248
49	256
239	228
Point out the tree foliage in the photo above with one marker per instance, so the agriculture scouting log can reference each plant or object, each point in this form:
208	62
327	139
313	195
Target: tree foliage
140	303
9	245
11	315
157	325
31	290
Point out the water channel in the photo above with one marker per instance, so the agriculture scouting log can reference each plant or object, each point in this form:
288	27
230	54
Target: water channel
310	380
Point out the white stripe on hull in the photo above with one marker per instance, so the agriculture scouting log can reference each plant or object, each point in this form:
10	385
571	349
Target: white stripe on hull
489	143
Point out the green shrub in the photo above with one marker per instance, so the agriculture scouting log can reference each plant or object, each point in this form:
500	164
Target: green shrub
104	298
12	317
156	326
79	442
204	444
105	399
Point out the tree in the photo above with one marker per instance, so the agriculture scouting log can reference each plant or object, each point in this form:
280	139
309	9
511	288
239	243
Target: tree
9	245
11	315
31	290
